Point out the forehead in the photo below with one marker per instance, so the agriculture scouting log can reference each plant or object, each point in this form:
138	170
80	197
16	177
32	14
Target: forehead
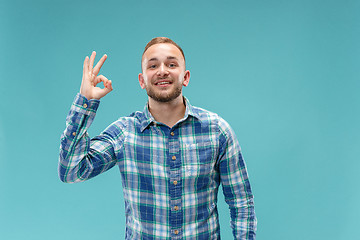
162	51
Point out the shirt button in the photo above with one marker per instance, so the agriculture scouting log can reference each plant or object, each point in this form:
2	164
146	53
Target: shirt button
85	105
176	208
172	133
74	133
175	182
173	158
176	232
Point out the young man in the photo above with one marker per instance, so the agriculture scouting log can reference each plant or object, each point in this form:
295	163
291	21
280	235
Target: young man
172	156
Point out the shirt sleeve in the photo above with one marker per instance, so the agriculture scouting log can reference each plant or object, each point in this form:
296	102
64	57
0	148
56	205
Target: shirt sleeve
236	185
81	158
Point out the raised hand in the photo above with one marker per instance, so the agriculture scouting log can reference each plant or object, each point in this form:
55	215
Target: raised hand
90	79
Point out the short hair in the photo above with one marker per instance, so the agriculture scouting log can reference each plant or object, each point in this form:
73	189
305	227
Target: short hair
158	40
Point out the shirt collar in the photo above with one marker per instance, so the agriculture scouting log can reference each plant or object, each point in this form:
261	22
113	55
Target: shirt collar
148	118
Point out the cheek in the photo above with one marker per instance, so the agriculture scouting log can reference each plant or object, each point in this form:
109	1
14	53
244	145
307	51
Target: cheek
181	77
148	76
145	76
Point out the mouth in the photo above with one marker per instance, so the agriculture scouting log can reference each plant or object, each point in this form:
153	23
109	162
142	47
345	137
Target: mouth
163	83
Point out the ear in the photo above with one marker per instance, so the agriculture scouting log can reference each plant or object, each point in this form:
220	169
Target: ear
186	78
141	81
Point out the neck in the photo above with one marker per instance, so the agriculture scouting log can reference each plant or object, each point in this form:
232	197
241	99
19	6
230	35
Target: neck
168	113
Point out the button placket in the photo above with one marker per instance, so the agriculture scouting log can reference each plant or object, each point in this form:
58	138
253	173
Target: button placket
175	186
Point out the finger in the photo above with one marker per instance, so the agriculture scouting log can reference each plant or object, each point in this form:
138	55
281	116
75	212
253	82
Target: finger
99	64
96	81
107	83
101	92
101	78
92	58
86	67
110	86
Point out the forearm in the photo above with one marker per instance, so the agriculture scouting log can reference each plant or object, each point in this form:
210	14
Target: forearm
79	160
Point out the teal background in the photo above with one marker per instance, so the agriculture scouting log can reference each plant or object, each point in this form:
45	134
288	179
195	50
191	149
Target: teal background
284	74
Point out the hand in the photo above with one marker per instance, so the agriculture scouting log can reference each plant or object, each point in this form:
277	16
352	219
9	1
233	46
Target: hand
90	79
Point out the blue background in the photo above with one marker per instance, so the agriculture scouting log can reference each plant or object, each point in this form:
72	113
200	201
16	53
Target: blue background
284	74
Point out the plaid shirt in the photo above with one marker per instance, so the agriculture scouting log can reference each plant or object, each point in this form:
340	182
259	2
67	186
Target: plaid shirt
170	176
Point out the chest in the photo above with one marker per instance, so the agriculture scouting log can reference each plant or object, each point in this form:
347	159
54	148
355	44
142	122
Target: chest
159	151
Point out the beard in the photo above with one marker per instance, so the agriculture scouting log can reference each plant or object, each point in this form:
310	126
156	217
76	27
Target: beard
164	97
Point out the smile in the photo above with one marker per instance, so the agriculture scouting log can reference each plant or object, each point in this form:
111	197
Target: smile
165	82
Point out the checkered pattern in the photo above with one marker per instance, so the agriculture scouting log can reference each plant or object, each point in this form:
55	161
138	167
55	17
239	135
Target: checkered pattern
170	176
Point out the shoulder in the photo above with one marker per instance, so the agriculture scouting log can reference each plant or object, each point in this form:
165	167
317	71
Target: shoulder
214	123
211	118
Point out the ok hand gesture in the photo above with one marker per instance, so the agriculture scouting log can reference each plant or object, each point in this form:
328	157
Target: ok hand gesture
90	79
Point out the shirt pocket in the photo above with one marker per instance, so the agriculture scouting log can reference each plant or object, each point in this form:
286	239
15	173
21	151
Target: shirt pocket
198	159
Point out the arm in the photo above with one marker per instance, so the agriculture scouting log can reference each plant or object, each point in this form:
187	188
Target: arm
80	157
236	185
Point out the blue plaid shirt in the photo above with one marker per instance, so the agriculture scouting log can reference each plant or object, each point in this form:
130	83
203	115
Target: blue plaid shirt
170	176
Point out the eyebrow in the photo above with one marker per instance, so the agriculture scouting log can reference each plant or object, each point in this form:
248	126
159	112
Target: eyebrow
169	58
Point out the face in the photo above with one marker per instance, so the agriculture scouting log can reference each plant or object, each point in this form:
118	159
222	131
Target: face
163	74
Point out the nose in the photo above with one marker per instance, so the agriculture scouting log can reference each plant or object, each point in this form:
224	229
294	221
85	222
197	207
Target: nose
162	71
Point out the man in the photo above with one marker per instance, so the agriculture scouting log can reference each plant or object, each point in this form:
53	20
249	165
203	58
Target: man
172	156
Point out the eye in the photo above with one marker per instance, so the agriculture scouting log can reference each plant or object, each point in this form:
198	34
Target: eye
152	66
172	65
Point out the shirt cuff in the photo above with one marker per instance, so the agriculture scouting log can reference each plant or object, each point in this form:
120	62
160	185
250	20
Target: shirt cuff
82	105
